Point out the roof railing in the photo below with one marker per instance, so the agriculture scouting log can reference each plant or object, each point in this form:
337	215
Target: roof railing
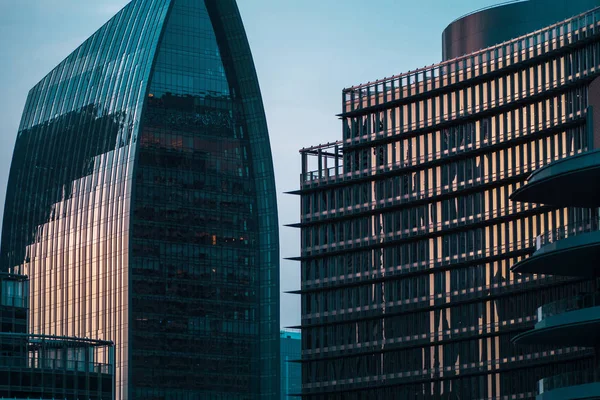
448	63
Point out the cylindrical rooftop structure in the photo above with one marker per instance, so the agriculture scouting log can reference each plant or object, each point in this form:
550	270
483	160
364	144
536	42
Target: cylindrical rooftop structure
490	26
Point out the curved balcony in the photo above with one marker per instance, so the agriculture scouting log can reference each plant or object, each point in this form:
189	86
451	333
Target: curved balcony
569	322
570	386
572	181
571	250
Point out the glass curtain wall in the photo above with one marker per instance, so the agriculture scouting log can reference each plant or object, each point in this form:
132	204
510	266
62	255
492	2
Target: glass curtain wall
195	274
141	204
66	221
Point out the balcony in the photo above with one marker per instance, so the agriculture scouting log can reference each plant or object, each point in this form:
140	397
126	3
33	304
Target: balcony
571	385
572	250
572	181
569	322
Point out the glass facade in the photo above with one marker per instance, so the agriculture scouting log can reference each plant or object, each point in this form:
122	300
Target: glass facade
40	366
408	234
291	369
141	203
43	367
14	291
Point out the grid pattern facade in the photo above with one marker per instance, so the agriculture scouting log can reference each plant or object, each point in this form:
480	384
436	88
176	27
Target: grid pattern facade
141	204
66	221
14	296
196	300
291	369
408	240
37	366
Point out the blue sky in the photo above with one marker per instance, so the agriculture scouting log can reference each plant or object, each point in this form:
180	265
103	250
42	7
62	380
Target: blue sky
306	52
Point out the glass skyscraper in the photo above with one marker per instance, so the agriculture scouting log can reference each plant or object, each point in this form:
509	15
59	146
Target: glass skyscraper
291	369
141	204
408	233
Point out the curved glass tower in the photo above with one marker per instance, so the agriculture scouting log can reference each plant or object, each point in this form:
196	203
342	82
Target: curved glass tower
141	203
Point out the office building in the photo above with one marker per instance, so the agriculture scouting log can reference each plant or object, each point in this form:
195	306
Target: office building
47	367
569	250
14	292
141	204
291	369
408	233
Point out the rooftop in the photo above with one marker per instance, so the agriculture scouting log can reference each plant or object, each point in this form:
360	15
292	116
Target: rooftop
290	334
506	3
450	66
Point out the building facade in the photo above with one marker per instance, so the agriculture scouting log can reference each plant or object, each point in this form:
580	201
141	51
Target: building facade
408	233
141	204
570	250
291	369
48	367
14	304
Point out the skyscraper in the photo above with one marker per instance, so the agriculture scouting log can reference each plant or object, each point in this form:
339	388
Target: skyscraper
141	204
291	370
408	233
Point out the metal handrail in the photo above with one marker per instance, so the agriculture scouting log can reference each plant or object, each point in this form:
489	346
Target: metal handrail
569	304
568	379
451	186
55	364
66	340
428	372
435	263
566	231
445	334
449	297
426	228
449	63
329	173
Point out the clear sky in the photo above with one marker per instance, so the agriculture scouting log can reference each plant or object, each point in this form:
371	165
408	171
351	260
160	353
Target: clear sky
306	52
